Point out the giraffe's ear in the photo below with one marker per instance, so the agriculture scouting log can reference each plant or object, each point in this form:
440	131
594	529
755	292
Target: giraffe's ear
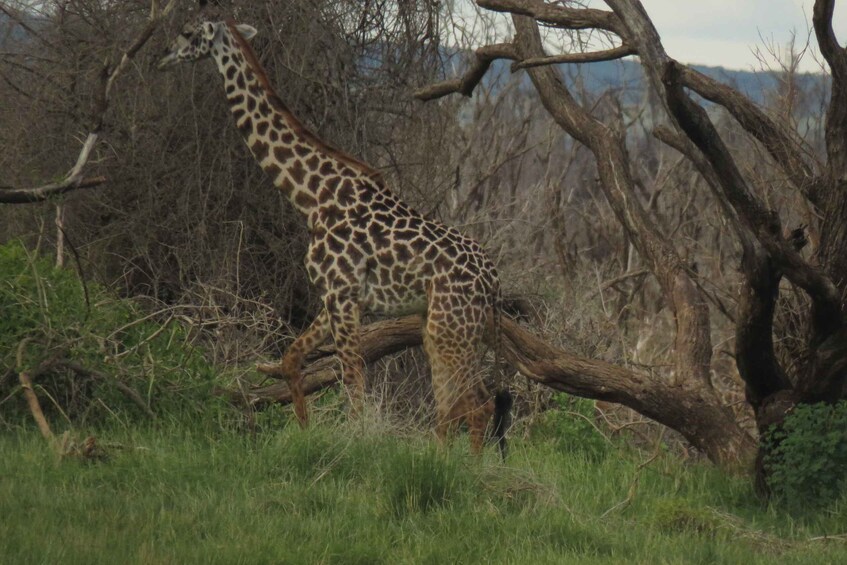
209	31
246	31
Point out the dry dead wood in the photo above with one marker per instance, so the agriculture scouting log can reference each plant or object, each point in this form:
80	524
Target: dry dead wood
680	408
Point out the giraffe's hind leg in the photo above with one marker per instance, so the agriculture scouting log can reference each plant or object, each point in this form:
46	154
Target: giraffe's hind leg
344	314
453	335
290	366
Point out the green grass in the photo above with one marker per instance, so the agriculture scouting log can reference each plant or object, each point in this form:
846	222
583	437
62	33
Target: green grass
340	493
192	486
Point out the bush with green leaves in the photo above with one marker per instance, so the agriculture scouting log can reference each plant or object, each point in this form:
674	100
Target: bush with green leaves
806	459
93	356
570	426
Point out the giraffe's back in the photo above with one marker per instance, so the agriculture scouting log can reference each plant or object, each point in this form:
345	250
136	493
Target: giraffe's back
391	255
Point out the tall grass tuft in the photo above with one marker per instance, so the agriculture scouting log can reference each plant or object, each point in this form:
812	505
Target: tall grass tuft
421	480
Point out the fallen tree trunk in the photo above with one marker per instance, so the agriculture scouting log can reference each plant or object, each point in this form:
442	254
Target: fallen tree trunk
709	427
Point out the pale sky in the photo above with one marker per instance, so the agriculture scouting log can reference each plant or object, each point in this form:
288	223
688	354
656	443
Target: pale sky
715	32
726	32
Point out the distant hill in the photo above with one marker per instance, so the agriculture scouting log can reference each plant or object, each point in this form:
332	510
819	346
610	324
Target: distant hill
624	75
628	77
10	32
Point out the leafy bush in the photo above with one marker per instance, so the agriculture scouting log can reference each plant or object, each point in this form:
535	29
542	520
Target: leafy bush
570	427
92	355
807	456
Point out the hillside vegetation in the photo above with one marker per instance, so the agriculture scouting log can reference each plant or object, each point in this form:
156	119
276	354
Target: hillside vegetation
184	479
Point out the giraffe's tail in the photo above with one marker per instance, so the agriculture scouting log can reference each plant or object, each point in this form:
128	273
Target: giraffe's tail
503	398
502	419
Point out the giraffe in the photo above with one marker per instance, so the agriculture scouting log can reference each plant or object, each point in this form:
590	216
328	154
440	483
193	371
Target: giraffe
368	251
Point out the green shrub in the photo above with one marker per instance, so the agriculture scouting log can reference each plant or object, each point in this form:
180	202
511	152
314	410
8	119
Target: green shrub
806	460
570	427
48	314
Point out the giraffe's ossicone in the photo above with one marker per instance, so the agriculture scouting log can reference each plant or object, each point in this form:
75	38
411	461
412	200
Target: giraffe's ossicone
368	251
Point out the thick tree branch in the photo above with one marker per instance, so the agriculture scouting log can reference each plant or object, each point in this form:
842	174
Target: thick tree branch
483	57
783	148
755	357
571	18
833	228
836	115
764	223
548	365
754	347
830	49
692	346
664	74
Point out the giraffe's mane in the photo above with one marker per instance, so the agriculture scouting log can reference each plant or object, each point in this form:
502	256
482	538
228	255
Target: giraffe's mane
294	123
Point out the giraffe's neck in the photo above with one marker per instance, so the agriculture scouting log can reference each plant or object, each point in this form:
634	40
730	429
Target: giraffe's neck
299	164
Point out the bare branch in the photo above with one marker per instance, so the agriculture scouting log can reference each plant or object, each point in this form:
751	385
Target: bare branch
664	73
763	222
682	144
74	179
41	193
97	375
465	85
31	398
20	21
778	142
593	57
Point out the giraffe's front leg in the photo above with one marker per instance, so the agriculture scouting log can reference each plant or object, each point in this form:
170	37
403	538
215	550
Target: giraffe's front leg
290	366
344	312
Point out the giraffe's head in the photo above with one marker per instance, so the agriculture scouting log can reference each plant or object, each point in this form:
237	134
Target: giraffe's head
197	41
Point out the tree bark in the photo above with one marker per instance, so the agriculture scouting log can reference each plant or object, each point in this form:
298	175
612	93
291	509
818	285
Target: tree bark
697	416
688	403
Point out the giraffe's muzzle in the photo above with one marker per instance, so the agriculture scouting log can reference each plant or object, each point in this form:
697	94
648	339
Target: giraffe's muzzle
167	61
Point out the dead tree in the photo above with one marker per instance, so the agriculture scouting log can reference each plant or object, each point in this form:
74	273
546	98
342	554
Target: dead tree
770	252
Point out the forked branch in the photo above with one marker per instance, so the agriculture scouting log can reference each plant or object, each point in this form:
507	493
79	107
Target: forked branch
763	222
75	178
784	149
483	57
